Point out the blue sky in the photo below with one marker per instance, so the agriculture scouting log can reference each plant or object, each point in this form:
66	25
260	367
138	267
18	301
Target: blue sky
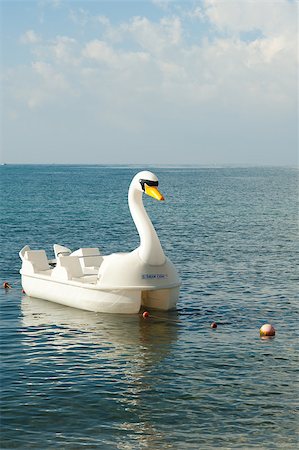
149	82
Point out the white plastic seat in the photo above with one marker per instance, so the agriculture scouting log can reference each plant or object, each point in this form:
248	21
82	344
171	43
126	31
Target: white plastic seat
23	251
67	268
36	261
60	250
88	279
90	258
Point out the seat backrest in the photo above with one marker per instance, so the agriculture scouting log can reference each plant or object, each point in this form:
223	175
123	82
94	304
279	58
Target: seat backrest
89	257
38	258
60	250
23	251
72	266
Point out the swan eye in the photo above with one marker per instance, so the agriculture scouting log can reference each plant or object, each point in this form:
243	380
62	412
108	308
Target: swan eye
148	183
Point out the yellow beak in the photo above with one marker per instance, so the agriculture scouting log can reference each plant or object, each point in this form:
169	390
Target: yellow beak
152	191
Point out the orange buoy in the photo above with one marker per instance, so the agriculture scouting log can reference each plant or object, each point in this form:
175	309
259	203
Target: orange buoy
145	315
6	285
267	330
213	325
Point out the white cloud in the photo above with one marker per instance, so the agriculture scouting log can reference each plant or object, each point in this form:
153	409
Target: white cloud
80	16
197	13
47	86
271	17
63	49
103	20
155	37
163	4
263	51
49	75
100	51
30	37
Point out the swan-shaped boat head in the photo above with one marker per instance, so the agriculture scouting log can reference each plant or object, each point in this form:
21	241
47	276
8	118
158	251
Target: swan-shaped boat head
150	250
147	266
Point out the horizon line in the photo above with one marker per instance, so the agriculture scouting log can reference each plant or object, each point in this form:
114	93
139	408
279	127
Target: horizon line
178	165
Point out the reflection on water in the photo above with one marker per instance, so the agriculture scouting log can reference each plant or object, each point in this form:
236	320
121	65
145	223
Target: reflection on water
113	334
110	357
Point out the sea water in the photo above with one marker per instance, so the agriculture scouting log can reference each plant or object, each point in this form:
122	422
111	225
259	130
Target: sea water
72	379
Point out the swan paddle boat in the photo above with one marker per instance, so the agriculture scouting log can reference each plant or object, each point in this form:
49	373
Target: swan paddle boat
116	283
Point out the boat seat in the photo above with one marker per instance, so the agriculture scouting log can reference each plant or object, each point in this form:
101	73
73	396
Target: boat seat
23	251
60	250
90	258
36	261
90	270
48	272
88	279
67	268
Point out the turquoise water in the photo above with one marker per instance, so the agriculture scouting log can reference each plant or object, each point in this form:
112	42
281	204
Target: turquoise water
73	379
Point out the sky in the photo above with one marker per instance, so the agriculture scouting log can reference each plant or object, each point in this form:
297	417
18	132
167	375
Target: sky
205	82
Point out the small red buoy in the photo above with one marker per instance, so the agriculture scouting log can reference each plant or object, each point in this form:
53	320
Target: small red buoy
23	291
213	325
6	285
267	330
145	315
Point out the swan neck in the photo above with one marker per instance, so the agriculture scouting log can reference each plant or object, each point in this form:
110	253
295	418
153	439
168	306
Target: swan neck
150	250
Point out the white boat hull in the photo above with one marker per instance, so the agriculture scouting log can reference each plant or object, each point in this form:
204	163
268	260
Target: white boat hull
91	298
83	297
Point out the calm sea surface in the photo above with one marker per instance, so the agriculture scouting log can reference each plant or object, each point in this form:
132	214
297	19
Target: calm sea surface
72	379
